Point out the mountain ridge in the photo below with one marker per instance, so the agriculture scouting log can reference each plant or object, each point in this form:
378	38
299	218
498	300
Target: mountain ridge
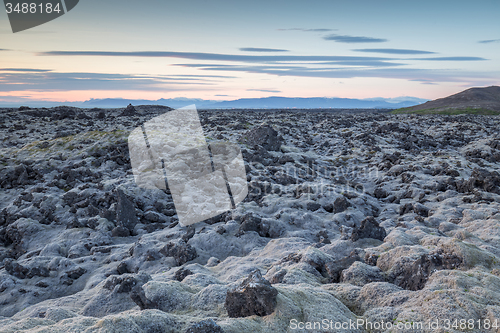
485	100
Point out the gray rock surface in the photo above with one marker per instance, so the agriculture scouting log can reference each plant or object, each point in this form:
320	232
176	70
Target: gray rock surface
361	215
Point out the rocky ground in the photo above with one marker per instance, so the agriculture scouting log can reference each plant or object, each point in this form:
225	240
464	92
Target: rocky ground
350	216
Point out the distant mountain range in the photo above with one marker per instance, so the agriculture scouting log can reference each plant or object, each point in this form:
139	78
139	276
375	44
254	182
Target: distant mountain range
268	103
473	100
246	103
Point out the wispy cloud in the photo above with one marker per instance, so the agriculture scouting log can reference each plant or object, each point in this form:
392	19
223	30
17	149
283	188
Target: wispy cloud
354	39
308	30
265	90
394	51
487	41
51	81
25	70
452	59
213	56
259	49
425	76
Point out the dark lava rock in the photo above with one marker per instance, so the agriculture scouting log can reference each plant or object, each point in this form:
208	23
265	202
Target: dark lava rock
405	209
76	273
254	296
421	210
182	273
120	232
339	205
101	115
189	233
335	268
122	268
125	212
313	206
139	297
371	259
250	222
414	276
180	250
264	136
322	237
205	326
380	193
38	271
125	284
129	111
369	229
480	179
15	269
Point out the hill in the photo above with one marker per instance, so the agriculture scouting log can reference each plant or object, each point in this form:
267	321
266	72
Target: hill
472	101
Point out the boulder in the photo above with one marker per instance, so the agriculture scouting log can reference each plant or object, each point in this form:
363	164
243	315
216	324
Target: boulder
264	136
254	296
180	251
369	229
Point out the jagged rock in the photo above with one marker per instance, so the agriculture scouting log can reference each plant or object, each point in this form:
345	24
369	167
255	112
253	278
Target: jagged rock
126	283
254	296
250	222
15	269
335	268
339	205
421	209
122	268
139	297
313	206
264	136
125	212
189	233
182	273
480	179
416	274
180	250
76	273
101	115
369	228
380	193
120	231
405	209
129	111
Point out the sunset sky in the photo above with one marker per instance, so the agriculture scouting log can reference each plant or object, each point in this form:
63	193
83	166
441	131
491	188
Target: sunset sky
224	50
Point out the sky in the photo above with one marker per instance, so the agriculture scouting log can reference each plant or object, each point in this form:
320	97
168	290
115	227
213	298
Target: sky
227	49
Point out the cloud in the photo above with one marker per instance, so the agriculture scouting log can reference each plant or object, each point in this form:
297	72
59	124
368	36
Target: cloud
452	59
51	81
363	63
489	41
33	70
354	39
213	56
308	30
265	90
394	51
258	49
425	76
